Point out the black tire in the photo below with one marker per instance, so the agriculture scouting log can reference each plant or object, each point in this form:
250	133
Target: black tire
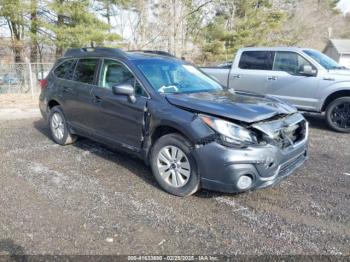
67	138
332	117
193	182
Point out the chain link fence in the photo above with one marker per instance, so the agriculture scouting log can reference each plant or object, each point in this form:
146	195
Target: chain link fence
22	77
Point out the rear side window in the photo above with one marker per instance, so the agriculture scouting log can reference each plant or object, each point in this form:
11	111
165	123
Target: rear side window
257	60
85	70
66	69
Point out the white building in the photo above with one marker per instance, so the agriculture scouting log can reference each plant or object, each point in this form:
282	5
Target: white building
339	50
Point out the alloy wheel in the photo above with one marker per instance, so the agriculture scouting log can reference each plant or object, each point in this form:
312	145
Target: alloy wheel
340	115
173	166
57	126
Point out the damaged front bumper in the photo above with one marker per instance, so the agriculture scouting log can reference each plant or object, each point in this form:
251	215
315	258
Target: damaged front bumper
221	167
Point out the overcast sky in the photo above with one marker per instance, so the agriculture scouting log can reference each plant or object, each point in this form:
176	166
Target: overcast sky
344	5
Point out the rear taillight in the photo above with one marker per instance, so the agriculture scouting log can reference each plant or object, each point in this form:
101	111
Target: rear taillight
43	83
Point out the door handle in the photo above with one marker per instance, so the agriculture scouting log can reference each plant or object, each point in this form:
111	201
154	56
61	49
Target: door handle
236	76
67	89
272	78
96	99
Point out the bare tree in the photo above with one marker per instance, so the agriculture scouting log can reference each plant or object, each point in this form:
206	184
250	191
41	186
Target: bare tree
33	30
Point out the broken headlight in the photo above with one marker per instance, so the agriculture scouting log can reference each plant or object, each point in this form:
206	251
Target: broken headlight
230	133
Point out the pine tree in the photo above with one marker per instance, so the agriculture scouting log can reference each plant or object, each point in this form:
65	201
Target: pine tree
248	23
76	25
13	12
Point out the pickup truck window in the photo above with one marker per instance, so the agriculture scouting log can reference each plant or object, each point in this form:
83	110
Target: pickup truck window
172	76
257	60
289	62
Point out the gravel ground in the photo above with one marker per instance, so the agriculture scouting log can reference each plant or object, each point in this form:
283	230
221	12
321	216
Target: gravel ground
86	199
18	106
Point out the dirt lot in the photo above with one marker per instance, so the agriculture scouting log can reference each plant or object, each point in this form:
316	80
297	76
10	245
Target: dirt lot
18	106
86	199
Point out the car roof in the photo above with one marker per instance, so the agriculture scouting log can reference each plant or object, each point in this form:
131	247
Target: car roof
117	53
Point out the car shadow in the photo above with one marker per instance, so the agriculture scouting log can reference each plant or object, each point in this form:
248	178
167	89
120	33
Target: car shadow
11	251
205	193
317	121
127	160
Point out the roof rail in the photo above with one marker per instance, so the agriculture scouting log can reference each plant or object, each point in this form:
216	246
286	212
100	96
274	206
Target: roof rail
91	50
156	52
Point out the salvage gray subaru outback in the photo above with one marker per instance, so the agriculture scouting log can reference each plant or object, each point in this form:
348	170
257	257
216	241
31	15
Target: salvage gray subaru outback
191	131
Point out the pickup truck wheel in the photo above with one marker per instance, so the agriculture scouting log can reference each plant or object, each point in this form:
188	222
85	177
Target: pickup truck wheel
58	127
338	114
173	165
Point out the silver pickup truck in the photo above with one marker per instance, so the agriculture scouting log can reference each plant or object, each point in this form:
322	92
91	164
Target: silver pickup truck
306	78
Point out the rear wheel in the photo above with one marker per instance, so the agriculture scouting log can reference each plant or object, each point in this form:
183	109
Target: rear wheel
173	165
338	114
58	127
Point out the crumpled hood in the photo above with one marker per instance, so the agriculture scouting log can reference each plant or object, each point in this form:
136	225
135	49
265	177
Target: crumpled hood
238	106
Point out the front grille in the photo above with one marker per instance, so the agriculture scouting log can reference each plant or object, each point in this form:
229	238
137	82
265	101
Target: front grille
289	166
282	132
291	135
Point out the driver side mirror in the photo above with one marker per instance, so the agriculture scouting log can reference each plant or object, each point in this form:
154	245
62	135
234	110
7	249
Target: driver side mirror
125	89
307	70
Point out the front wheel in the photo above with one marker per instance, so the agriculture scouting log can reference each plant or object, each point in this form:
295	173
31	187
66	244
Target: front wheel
173	165
338	115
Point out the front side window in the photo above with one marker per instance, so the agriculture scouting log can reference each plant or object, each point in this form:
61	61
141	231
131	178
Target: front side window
290	62
173	76
66	69
85	70
257	60
114	73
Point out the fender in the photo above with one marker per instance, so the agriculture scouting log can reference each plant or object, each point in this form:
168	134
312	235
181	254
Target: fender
334	91
182	121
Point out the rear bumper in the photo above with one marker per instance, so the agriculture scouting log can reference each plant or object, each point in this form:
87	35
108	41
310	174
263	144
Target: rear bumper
221	167
43	108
